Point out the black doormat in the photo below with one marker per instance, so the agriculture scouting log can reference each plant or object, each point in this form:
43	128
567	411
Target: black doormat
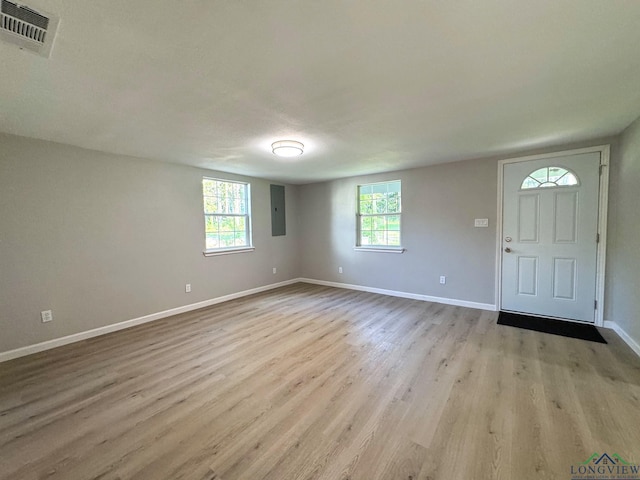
549	325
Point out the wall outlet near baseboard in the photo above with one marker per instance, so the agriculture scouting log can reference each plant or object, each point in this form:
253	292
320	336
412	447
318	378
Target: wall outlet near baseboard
443	279
275	270
187	288
339	269
46	316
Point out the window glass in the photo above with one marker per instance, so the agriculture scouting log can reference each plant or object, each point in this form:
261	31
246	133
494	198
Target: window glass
379	214
226	214
549	177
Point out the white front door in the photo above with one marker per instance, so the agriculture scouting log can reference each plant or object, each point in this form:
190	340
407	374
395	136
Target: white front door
549	244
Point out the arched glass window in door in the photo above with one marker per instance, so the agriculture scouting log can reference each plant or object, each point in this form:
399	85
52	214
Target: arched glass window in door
549	177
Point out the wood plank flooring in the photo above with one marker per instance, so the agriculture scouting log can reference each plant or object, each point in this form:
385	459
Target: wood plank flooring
310	382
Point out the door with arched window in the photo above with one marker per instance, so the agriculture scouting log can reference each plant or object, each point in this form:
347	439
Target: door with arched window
549	236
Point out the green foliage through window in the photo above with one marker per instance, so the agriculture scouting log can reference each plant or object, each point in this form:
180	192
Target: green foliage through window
226	214
549	177
379	212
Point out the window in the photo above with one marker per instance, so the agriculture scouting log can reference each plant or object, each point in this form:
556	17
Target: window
226	215
549	177
379	214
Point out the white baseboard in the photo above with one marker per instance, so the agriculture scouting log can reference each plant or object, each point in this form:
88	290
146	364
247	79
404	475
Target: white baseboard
394	293
623	335
76	337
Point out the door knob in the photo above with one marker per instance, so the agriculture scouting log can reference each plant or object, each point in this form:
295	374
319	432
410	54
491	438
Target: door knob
508	250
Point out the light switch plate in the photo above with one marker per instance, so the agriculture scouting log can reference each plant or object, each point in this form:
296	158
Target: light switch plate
481	222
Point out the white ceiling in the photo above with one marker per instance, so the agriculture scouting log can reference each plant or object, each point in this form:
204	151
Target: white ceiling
366	85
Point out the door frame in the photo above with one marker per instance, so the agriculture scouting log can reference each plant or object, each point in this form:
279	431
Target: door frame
603	200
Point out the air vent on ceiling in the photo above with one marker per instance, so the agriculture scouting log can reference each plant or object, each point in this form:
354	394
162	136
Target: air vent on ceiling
27	28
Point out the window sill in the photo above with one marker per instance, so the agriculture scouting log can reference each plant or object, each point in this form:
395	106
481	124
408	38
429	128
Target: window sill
227	251
380	249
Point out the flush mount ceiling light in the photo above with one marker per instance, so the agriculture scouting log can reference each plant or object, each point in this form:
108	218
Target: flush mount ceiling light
287	148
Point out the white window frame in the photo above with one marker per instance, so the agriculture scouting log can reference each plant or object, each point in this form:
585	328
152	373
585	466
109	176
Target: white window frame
550	183
386	248
208	252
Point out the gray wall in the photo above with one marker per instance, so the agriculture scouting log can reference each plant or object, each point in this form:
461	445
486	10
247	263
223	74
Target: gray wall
623	272
100	239
439	205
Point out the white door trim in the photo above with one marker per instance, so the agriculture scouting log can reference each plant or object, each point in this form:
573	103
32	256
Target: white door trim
604	151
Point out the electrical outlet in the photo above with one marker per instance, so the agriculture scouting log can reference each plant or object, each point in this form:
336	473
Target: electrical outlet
443	279
187	288
275	270
339	269
46	316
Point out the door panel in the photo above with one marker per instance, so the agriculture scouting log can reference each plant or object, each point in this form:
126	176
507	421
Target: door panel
549	237
529	218
564	278
527	276
566	217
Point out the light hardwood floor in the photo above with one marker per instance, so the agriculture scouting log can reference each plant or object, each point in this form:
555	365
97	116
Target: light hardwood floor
309	382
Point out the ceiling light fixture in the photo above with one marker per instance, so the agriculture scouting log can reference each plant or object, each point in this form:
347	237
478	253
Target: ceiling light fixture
287	148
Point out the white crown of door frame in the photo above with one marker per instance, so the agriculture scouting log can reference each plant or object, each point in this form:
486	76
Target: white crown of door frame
603	200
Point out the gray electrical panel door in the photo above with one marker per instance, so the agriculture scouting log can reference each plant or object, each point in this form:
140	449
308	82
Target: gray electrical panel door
278	223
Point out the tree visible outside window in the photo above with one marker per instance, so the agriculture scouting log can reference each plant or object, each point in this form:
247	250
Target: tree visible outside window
227	217
379	214
549	177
